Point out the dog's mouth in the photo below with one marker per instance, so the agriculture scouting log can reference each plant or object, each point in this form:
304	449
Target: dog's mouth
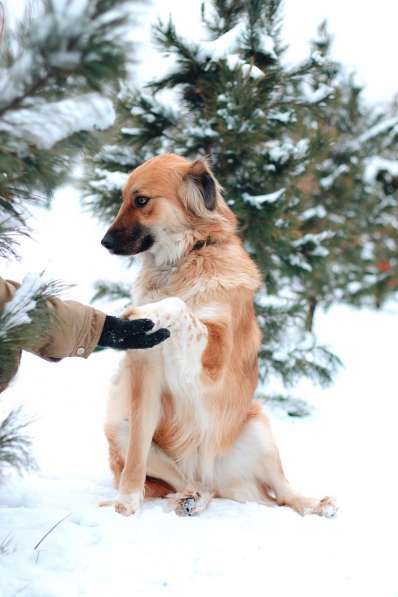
122	242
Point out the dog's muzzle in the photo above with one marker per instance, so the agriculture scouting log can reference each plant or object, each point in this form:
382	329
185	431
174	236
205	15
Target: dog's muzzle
128	242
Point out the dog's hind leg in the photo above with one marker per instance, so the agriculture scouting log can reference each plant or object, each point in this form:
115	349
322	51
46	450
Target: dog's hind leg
190	502
252	470
185	502
273	479
161	466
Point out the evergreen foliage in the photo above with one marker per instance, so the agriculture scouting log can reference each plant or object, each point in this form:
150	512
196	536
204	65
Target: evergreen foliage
15	444
305	164
307	167
58	67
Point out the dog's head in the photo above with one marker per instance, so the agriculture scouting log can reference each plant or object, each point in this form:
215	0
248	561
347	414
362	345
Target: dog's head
167	200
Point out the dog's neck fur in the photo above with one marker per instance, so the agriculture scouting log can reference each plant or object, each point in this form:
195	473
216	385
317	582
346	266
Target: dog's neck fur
189	272
169	254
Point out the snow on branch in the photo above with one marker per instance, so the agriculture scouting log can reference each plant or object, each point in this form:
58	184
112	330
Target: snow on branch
16	311
378	129
225	45
229	45
29	296
376	164
259	200
89	39
312	243
45	124
328	181
316	96
108	181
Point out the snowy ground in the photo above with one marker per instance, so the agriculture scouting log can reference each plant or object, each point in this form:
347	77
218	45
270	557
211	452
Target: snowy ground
347	448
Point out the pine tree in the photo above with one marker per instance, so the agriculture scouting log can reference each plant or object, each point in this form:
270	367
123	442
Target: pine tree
351	146
294	150
57	71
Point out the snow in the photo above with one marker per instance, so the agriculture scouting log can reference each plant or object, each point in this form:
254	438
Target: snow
298	260
16	311
313	212
284	117
328	181
346	447
376	164
280	151
267	45
378	129
47	123
316	96
116	154
225	45
234	60
130	130
108	181
14	79
259	200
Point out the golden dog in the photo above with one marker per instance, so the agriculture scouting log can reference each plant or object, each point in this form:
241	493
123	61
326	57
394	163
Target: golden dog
181	416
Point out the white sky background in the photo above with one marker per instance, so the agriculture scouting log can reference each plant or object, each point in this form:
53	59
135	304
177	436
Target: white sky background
67	242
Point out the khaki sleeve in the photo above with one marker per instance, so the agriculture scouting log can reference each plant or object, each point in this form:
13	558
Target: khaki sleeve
74	329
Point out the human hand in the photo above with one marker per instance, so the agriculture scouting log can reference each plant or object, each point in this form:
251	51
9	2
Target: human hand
125	334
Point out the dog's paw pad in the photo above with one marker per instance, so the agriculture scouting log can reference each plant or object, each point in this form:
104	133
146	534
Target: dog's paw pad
189	503
187	506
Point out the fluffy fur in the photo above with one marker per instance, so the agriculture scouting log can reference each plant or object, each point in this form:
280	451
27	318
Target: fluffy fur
181	416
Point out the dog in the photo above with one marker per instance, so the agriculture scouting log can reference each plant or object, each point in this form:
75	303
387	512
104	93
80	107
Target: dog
182	420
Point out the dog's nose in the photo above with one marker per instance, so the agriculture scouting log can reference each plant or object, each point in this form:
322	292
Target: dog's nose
108	242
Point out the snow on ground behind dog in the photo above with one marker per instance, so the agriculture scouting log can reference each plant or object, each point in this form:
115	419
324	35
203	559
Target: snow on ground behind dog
346	448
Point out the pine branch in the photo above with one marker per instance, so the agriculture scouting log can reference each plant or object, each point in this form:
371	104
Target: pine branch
24	320
114	291
15	444
53	71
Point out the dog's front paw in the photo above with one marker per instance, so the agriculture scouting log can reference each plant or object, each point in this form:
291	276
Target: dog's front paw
165	313
126	505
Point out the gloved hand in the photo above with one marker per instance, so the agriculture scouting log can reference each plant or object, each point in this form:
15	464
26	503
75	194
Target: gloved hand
119	333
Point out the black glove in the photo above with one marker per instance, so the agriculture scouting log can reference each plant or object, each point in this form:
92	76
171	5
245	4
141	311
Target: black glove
123	334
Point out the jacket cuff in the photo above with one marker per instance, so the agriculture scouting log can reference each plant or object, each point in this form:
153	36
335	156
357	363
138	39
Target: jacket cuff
90	334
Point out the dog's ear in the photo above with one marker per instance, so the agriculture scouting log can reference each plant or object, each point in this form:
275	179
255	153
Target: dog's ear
201	188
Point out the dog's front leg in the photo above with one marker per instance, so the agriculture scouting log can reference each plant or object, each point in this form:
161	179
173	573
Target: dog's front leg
144	413
200	340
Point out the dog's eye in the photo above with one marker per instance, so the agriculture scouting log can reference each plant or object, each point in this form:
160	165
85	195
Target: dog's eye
141	201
